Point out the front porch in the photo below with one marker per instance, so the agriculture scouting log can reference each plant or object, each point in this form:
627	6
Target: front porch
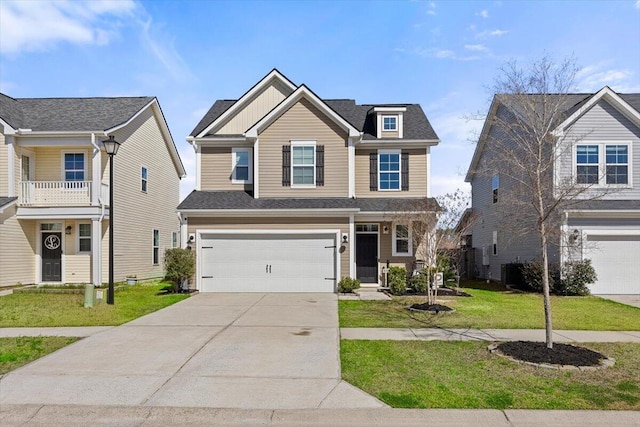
63	193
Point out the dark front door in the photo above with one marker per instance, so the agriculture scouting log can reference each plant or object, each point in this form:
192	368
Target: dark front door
367	258
51	257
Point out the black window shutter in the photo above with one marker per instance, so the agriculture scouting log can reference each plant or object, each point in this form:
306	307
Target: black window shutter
373	172
320	165
405	172
286	165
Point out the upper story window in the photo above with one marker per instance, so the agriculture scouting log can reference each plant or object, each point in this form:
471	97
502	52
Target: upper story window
389	170
401	240
389	123
603	164
144	177
74	164
303	164
495	185
241	166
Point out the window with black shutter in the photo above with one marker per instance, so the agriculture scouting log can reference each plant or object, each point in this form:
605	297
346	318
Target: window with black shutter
320	165
373	172
405	172
286	165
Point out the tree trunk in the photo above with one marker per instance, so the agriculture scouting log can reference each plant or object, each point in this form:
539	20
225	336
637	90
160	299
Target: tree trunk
545	287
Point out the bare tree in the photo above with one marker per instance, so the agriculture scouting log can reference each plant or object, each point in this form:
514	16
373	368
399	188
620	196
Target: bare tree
435	231
529	104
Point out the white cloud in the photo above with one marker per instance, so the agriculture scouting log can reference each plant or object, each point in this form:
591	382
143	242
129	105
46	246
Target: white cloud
593	77
162	47
491	33
476	47
436	53
432	8
637	4
483	13
30	26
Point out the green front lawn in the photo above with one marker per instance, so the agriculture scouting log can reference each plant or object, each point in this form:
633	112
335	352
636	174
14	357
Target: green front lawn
439	374
493	309
44	309
15	352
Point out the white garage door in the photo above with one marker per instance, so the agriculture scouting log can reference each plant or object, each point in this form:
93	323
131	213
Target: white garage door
616	260
267	263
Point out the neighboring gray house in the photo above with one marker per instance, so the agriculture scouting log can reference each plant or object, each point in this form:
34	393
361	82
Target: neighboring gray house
602	131
54	189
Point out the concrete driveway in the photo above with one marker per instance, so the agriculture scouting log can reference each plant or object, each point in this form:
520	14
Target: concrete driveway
632	300
271	351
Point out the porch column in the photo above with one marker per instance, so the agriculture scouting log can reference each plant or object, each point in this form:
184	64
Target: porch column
352	247
96	252
96	178
11	182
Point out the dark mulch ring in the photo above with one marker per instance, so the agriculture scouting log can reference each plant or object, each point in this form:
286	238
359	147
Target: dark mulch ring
560	354
432	308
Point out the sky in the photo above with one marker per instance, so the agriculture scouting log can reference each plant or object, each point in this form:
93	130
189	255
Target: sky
444	55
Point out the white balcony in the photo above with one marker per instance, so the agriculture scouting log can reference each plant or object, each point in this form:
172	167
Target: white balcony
60	193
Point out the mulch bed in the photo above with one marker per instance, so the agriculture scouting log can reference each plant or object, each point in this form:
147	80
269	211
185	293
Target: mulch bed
560	354
433	308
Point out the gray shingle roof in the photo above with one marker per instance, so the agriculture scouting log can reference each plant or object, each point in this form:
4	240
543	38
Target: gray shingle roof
69	114
6	200
242	200
415	126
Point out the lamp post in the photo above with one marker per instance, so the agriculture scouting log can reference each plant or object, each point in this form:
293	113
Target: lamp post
111	147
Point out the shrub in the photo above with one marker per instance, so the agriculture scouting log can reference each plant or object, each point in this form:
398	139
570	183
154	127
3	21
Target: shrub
348	284
576	276
179	265
532	272
420	282
397	280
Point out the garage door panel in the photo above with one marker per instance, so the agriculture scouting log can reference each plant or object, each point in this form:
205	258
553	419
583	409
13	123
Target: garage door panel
267	263
616	262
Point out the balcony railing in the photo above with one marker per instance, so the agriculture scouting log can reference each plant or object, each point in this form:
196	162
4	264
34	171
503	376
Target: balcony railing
59	193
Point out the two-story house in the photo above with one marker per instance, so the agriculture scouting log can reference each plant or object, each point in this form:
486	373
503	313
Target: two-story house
598	146
294	192
54	189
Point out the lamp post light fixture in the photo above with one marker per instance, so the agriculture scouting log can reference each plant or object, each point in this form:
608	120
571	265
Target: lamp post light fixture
111	147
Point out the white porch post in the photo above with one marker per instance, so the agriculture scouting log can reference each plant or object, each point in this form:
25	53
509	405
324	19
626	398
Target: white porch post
11	191
96	166
352	247
96	252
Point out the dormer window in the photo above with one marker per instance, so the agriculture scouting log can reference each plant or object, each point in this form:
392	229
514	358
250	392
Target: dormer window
389	123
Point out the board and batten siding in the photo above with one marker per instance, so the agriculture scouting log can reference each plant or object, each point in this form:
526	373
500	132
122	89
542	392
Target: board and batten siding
303	122
605	124
417	175
216	170
137	213
256	109
284	224
17	249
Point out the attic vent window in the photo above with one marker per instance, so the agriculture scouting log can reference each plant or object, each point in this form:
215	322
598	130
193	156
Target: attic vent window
389	123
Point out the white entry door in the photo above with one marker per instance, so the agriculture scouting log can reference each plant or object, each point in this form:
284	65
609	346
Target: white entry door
616	260
267	263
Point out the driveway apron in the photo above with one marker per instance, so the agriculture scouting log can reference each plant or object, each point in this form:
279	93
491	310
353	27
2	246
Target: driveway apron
272	351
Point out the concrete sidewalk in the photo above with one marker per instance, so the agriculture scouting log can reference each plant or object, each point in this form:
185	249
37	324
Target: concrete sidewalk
404	334
70	415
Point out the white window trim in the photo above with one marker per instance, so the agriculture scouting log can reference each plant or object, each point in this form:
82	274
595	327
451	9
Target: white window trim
78	237
175	241
32	163
395	129
602	163
494	188
304	144
62	165
234	180
399	153
144	179
153	246
394	252
494	249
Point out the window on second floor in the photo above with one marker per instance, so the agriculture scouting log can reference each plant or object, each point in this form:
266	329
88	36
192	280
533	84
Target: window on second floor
303	164
495	185
603	164
389	170
74	167
144	179
241	164
389	123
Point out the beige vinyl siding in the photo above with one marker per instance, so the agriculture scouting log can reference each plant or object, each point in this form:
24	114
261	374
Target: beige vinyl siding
77	265
4	167
285	224
303	122
384	134
417	175
17	249
138	213
49	162
255	109
216	169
